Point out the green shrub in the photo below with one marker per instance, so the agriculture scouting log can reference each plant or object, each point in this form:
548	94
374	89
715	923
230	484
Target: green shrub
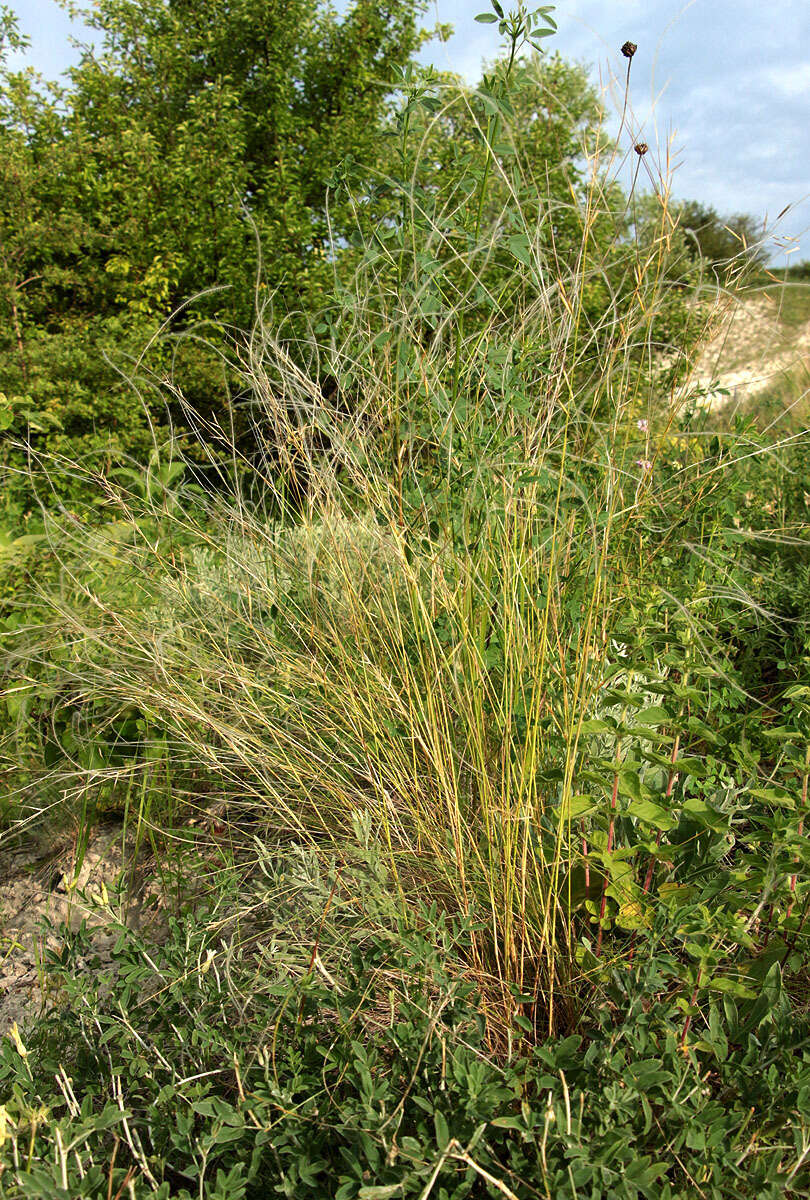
312	1047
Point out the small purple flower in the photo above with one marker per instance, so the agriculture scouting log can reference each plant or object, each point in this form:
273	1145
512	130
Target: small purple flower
642	425
644	463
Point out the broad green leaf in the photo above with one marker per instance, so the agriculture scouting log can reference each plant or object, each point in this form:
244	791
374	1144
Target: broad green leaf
577	806
520	247
630	784
774	796
597	726
654	715
631	915
689	766
651	813
702	812
676	895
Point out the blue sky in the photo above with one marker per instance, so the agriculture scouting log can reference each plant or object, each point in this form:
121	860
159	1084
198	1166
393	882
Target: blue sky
728	81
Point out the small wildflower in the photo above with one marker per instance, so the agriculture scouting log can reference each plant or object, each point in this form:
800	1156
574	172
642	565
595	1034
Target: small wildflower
644	463
641	148
643	425
629	49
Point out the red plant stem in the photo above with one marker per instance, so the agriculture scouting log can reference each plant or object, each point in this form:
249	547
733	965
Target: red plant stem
791	946
613	797
768	926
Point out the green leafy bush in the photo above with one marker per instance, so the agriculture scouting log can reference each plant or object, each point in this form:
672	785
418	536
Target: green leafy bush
312	1047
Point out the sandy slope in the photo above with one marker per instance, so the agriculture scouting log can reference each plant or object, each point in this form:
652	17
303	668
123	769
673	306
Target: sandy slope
51	884
750	350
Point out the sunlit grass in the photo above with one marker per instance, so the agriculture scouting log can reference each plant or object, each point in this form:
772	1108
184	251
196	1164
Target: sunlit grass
407	606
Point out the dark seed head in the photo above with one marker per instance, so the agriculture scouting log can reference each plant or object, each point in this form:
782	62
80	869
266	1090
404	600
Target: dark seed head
641	148
629	49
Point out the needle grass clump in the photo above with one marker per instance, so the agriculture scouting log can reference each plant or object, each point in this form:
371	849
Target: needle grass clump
479	578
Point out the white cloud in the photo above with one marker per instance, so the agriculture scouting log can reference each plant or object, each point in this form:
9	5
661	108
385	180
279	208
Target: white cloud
730	77
792	81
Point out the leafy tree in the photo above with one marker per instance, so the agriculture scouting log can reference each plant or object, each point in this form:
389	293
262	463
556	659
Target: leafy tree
200	116
56	387
190	135
477	178
720	239
485	181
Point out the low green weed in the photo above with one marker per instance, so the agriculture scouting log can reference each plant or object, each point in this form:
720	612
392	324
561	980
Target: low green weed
292	1046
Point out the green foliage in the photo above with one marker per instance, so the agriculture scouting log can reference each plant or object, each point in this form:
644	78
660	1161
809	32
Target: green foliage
720	240
220	1064
485	609
222	105
433	630
190	137
190	133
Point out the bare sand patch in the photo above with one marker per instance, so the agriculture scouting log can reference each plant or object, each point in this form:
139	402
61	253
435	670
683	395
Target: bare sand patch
749	352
